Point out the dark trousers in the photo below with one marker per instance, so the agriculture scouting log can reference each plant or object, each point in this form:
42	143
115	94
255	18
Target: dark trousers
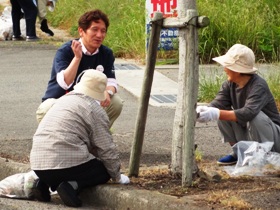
30	13
88	174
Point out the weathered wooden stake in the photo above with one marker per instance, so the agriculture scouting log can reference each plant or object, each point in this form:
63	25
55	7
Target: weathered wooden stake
190	98
136	150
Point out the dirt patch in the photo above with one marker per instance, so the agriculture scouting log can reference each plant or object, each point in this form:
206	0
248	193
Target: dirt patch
244	192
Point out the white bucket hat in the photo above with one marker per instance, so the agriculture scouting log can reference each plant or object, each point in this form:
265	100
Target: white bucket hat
93	83
239	58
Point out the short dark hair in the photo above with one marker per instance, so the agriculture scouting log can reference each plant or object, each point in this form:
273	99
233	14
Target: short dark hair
93	15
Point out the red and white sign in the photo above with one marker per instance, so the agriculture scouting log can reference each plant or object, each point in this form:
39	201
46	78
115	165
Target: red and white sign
169	9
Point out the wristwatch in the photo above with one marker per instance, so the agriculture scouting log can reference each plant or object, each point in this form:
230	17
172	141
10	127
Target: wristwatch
111	93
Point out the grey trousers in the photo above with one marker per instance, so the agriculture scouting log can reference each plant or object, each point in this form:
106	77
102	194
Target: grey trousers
260	129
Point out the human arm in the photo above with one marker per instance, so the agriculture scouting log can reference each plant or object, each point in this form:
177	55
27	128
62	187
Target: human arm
71	71
246	102
109	70
213	114
66	63
103	145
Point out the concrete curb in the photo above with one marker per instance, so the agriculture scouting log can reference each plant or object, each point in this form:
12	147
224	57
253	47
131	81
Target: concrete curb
115	196
9	167
128	197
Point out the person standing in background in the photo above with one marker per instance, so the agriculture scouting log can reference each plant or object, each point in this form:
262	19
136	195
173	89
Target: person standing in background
30	10
42	13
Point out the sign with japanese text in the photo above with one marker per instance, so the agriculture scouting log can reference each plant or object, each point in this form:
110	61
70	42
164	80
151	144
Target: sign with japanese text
168	37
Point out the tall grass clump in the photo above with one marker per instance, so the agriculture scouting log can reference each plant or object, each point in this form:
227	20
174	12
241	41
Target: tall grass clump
273	81
209	84
255	23
126	33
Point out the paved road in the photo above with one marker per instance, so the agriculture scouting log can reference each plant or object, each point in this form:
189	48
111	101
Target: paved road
25	70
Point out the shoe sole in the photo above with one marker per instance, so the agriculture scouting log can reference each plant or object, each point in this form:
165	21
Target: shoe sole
68	198
226	164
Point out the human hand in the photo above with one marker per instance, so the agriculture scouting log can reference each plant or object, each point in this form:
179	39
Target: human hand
100	68
107	100
124	179
201	109
209	114
77	48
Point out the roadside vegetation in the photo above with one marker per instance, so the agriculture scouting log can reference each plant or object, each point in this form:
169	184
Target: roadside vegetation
255	23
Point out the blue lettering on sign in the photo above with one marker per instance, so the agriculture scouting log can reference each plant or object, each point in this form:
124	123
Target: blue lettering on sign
168	38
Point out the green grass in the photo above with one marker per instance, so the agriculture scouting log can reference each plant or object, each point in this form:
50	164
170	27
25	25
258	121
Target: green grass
209	85
255	23
126	33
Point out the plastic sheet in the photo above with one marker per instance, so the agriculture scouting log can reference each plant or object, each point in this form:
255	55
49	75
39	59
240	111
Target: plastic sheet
6	25
255	159
18	185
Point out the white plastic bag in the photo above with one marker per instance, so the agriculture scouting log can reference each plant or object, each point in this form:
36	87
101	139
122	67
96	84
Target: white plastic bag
6	25
255	159
18	185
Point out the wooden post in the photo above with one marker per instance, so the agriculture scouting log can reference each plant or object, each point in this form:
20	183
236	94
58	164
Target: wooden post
183	160
136	150
178	124
190	98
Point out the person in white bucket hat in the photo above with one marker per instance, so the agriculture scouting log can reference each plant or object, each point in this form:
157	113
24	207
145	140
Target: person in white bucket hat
244	107
72	147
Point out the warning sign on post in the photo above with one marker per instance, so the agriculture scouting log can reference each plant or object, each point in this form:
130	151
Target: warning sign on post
168	37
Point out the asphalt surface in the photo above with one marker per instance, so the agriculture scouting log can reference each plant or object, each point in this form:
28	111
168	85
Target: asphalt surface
25	70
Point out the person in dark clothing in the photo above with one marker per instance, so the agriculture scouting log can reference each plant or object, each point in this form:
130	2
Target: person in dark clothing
77	55
244	107
30	14
42	13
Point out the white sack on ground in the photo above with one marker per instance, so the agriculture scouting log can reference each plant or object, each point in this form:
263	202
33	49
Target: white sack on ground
18	185
6	25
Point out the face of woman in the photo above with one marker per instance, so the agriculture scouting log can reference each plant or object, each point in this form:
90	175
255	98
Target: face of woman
232	76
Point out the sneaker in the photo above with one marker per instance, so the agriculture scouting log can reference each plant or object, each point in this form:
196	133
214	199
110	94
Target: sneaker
227	160
41	191
32	38
17	38
68	195
44	27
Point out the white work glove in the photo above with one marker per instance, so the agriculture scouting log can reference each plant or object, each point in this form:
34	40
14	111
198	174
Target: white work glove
124	179
201	109
209	114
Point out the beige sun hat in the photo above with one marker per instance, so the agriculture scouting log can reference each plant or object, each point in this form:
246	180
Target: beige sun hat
239	58
93	83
